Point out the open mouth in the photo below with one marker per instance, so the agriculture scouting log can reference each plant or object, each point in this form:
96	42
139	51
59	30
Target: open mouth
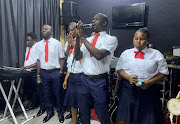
137	45
93	26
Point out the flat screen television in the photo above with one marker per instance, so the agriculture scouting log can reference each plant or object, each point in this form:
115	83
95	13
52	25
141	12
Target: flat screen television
128	15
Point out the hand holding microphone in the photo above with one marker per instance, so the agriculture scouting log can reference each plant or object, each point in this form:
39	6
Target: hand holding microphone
85	25
133	80
79	27
80	30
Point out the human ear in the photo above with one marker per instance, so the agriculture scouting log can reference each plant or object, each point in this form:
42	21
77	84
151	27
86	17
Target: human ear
105	23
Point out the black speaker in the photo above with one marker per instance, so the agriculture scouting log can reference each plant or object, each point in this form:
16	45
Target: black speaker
69	12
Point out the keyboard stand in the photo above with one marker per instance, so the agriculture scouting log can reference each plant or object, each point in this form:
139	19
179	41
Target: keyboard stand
8	106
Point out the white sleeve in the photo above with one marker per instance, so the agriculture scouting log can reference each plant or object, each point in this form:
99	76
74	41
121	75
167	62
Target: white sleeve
66	45
36	57
121	62
37	50
110	44
83	47
61	50
162	65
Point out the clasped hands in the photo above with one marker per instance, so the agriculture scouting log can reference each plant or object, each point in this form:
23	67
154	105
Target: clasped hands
69	38
133	79
80	31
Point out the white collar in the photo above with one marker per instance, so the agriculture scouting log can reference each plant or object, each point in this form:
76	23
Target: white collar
48	40
143	50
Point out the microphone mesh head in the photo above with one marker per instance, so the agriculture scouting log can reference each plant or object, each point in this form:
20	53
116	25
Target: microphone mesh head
87	25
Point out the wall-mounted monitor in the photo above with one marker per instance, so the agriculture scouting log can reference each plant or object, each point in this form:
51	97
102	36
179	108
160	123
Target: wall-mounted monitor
128	15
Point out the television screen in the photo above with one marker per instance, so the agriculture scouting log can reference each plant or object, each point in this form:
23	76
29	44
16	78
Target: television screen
128	15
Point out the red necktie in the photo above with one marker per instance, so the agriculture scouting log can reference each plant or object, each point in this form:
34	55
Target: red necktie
95	40
139	54
46	51
71	49
27	57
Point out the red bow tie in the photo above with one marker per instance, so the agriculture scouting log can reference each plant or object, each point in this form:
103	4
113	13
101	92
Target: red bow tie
139	54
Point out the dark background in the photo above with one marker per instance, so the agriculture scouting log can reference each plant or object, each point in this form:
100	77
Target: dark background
17	18
163	17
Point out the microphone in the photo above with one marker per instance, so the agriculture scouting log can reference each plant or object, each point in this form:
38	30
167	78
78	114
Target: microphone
87	25
132	92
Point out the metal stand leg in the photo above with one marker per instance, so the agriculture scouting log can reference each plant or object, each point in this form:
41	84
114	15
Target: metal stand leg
7	102
170	85
22	107
14	101
9	97
163	93
16	95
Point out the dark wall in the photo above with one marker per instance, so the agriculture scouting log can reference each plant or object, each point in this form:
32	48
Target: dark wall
163	21
18	17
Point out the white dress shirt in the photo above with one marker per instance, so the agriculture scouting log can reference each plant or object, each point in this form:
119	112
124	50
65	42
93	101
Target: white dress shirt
66	46
73	65
145	69
32	56
92	66
55	52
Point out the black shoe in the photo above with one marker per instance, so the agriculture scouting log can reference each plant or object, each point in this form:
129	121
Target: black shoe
40	112
68	116
61	118
48	117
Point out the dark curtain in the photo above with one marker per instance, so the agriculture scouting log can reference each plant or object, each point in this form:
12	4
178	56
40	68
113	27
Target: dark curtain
18	17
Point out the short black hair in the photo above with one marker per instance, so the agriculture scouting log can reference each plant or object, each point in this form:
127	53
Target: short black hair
104	18
144	30
73	24
32	35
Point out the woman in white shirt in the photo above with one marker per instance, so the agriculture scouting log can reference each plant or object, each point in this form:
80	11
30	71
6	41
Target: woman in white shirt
141	68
